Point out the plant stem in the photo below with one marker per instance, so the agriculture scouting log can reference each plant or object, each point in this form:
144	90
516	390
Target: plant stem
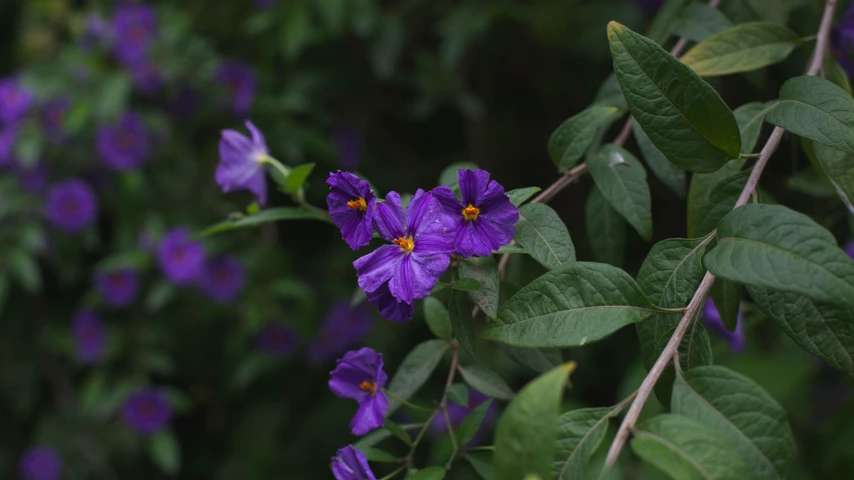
296	196
394	473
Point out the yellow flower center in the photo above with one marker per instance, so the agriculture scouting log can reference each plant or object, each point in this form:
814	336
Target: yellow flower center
369	386
405	243
358	204
471	212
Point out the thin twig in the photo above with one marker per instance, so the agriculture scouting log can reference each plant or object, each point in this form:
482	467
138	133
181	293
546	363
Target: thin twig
699	298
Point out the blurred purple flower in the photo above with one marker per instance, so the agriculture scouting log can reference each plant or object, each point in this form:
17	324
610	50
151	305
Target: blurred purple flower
241	82
277	338
15	100
849	248
125	145
71	205
181	258
134	28
348	142
146	77
842	42
40	462
89	336
223	279
390	307
118	287
359	376
712	320
53	115
351	205
342	329
457	413
351	464
33	178
8	137
147	411
242	162
96	30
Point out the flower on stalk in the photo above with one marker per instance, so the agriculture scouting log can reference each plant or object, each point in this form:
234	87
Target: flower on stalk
223	279
89	336
71	205
712	320
390	307
360	376
420	250
240	81
242	161
342	328
147	411
351	206
15	100
40	462
134	28
351	464
118	287
181	258
485	217
277	339
125	145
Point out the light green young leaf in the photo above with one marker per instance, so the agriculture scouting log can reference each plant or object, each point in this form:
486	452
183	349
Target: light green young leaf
606	229
622	180
486	382
742	48
775	247
165	452
525	435
669	174
297	177
814	108
572	138
742	412
579	434
685	448
414	370
520	195
576	305
485	271
683	116
438	319
541	231
462	323
698	21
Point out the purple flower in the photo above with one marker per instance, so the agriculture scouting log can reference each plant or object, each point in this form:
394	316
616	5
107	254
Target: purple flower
348	142
351	206
15	100
134	29
146	77
342	328
421	248
33	178
89	336
351	464
147	411
359	376
53	115
241	83
118	287
842	41
485	217
849	248
712	320
390	308
277	338
125	145
71	205
242	162
181	258
8	137
223	279
97	29
457	413
40	463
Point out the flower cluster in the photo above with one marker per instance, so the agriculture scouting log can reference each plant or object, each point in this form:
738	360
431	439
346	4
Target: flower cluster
422	238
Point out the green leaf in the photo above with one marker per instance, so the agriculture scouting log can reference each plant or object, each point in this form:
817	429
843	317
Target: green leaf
669	174
814	108
837	167
774	247
414	370
113	96
159	295
672	271
482	464
467	285
510	249
450	175
606	229
742	412
486	382
372	439
610	94
265	216
438	318
397	431
541	231
824	330
520	195
698	21
622	180
579	434
685	448
526	432
462	323
429	473
165	452
458	393
742	48
727	298
576	305
572	138
537	359
719	202
702	186
485	271
683	115
750	118
664	22
25	268
834	73
4	292
296	179
374	454
472	423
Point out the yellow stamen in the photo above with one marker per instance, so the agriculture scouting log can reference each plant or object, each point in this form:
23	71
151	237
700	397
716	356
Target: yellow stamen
358	204
405	243
471	212
369	386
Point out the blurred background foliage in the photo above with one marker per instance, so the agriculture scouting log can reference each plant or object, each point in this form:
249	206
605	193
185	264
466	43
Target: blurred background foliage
397	91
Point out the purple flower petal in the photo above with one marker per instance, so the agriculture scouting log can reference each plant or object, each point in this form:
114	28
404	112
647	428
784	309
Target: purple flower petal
351	464
370	415
41	463
125	145
147	411
352	207
390	307
377	267
71	205
359	376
